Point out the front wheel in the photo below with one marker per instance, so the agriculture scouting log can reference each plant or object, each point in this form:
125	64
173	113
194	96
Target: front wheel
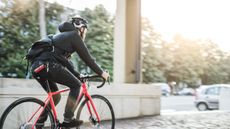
23	113
104	110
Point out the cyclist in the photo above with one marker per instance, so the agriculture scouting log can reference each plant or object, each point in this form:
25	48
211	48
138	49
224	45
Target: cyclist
60	69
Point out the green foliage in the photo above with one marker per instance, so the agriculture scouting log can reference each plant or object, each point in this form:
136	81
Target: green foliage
153	65
53	13
217	69
99	39
182	60
188	62
19	27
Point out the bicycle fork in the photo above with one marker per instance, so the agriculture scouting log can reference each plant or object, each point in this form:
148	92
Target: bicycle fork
90	105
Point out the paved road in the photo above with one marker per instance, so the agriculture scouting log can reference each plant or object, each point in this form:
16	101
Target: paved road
179	120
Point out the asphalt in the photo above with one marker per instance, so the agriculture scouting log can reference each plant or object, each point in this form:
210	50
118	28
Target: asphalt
179	120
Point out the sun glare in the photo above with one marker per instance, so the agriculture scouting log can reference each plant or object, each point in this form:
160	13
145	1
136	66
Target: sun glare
195	19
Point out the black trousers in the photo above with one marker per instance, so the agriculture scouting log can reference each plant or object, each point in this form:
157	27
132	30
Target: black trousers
58	74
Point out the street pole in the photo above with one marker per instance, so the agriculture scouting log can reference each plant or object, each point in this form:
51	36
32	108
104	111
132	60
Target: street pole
42	19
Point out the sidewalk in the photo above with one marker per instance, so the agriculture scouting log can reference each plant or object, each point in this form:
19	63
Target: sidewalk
179	120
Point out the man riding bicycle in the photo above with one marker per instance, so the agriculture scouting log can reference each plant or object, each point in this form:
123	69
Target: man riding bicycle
60	69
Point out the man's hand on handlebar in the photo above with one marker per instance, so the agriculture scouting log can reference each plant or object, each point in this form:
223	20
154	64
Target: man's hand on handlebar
105	75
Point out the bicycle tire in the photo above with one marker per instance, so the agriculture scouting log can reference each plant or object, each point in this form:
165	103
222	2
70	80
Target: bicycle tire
16	104
110	113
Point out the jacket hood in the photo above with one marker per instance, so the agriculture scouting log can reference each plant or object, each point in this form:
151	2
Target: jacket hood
66	26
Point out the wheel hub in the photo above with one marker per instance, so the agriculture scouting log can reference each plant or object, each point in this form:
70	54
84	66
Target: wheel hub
93	120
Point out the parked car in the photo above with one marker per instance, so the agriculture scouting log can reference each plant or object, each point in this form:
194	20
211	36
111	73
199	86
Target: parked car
186	91
207	97
165	89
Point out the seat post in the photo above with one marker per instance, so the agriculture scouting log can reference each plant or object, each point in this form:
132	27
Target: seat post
46	81
48	86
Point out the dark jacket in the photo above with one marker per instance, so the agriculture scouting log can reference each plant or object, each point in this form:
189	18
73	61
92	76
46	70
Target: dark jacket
67	43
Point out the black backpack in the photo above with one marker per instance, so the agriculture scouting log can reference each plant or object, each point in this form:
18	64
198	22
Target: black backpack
39	47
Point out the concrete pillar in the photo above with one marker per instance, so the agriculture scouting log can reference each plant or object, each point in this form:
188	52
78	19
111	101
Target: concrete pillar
119	43
127	66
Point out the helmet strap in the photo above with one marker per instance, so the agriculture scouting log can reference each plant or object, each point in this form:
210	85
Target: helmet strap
82	31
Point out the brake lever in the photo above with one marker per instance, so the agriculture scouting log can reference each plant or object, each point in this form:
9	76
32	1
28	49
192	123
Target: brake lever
108	80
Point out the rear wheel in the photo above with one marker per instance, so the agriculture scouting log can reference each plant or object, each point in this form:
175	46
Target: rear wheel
202	107
104	110
19	115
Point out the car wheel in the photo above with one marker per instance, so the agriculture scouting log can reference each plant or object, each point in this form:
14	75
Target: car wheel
202	107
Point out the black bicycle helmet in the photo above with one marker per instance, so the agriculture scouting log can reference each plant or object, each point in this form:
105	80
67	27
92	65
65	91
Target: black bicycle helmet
79	22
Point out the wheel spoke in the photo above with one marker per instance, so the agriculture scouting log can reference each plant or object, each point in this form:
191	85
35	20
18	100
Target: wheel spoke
104	110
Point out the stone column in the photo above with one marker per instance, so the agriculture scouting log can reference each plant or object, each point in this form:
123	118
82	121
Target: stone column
127	61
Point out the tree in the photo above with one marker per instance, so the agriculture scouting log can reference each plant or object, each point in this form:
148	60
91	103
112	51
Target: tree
217	69
153	62
19	27
99	37
197	62
188	61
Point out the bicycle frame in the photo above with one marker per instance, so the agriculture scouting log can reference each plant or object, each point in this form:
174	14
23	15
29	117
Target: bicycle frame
84	92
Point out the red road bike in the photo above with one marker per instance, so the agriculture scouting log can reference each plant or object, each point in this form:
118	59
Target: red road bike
96	111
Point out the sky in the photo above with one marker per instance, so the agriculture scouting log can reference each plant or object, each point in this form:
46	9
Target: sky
110	5
193	19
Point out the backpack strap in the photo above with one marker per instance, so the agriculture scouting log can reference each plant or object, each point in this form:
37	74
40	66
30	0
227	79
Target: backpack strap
53	44
63	60
27	70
